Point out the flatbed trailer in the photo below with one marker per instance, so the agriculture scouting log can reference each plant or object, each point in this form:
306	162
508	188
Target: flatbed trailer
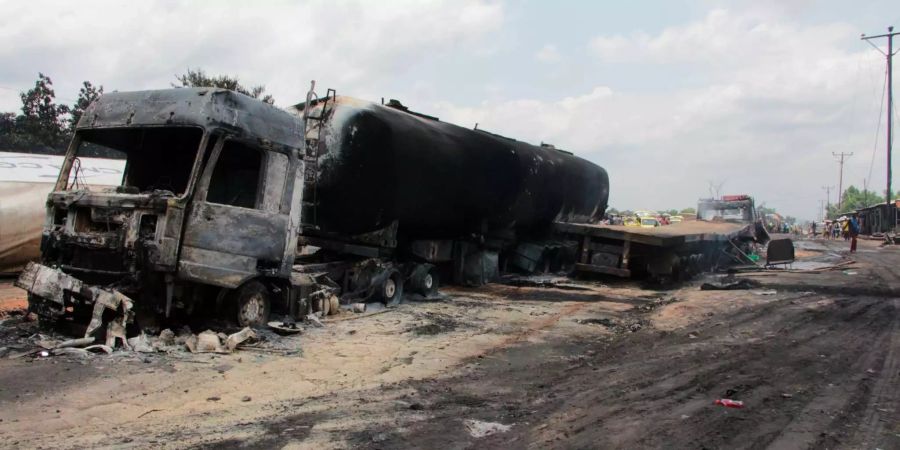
666	251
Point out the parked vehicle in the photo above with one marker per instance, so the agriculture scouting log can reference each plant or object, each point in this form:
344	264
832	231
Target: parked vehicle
231	204
649	222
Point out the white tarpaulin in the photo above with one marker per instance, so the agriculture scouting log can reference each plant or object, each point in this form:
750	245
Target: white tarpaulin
25	181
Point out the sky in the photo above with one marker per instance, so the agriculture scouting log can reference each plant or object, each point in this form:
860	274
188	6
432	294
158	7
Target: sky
672	98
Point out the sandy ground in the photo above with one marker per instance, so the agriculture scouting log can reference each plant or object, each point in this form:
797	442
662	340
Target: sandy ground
11	297
602	364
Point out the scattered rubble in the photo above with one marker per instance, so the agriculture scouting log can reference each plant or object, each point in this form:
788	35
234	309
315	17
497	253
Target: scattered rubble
615	325
479	429
741	284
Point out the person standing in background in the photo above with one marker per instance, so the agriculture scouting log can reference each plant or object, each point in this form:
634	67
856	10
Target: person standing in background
853	228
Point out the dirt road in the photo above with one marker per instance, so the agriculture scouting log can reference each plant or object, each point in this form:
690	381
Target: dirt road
813	356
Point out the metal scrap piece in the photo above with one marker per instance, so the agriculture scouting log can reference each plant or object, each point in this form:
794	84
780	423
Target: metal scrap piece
115	330
48	283
113	300
239	338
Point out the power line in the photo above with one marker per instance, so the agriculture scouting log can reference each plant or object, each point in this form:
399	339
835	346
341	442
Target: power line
878	124
889	55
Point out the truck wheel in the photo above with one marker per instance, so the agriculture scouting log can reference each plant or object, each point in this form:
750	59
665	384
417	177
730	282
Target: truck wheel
424	280
253	304
391	289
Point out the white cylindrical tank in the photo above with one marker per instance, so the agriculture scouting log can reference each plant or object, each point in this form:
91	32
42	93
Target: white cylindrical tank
25	181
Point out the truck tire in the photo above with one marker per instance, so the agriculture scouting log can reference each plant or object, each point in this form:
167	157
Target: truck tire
390	291
252	304
424	280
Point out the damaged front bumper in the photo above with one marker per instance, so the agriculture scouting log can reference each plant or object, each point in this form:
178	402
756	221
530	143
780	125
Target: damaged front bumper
53	292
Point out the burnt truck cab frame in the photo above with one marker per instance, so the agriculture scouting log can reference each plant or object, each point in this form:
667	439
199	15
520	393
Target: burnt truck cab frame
209	206
230	203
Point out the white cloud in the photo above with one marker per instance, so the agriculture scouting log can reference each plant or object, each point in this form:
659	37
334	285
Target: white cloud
548	54
126	46
751	95
765	119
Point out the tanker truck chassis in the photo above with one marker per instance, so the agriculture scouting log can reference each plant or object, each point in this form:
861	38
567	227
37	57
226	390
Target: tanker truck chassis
233	206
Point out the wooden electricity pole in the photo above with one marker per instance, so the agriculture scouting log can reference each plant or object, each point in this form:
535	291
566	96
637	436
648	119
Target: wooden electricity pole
889	56
841	177
827	198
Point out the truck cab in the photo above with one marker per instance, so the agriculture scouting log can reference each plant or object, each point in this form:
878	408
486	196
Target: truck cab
208	207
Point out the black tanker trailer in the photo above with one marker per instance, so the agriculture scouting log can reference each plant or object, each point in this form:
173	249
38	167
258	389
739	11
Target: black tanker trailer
464	199
231	203
379	164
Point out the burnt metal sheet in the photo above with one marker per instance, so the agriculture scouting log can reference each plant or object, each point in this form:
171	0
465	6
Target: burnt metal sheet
780	251
47	283
239	231
207	107
217	268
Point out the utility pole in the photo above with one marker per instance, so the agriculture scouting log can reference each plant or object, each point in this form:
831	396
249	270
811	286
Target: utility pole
827	198
865	193
841	177
889	55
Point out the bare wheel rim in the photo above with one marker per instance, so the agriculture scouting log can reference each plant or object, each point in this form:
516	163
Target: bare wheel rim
390	288
252	310
429	281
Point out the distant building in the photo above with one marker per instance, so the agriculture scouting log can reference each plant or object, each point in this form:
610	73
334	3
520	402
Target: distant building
881	218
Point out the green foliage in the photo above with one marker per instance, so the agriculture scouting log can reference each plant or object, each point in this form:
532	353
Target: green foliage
853	199
44	126
689	211
86	95
42	119
199	78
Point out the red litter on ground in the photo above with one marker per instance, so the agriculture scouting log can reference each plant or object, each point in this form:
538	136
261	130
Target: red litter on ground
728	403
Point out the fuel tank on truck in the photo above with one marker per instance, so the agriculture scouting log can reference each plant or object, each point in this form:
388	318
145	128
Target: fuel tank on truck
378	164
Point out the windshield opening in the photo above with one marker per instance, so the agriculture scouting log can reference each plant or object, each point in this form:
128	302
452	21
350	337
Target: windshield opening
156	159
723	211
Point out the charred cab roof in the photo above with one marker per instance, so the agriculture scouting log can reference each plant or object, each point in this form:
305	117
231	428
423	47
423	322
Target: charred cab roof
203	107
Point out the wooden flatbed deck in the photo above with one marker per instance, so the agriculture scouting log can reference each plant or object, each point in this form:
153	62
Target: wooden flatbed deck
607	249
663	236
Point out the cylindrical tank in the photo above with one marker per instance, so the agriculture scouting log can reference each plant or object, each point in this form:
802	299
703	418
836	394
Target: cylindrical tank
378	164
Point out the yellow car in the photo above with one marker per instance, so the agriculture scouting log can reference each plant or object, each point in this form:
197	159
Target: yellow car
676	219
649	222
632	222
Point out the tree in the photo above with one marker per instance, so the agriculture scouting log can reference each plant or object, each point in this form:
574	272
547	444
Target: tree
853	199
689	211
42	118
86	95
44	126
199	78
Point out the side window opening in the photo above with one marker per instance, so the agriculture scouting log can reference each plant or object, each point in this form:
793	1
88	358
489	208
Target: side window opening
236	178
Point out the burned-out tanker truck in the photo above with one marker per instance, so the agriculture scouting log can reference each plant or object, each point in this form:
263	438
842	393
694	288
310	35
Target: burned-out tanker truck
230	203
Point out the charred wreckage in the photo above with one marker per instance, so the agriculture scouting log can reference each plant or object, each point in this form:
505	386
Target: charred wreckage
231	204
